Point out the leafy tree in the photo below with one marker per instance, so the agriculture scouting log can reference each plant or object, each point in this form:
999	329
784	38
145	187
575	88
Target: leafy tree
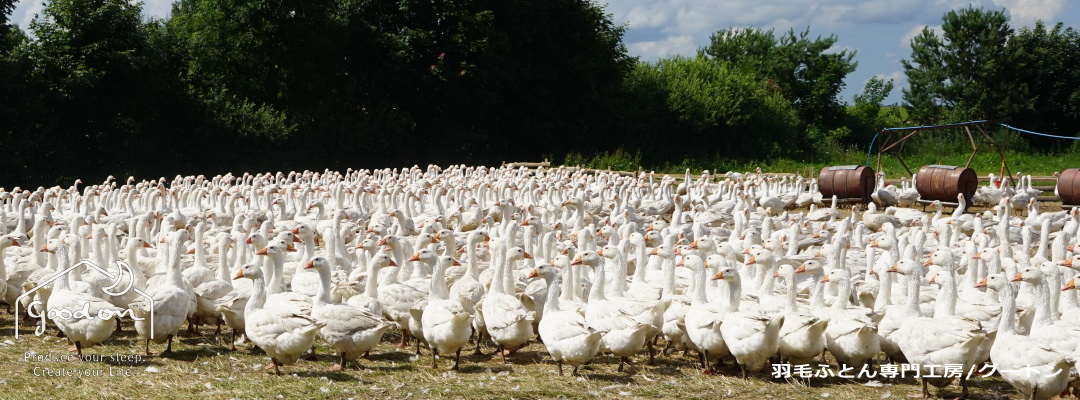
721	111
1047	64
866	111
967	72
805	71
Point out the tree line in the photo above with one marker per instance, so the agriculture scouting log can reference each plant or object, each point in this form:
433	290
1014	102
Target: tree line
91	88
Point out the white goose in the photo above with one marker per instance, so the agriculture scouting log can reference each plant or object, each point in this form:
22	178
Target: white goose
349	330
802	336
447	325
1028	364
283	337
566	335
83	332
508	322
172	301
944	339
751	336
703	318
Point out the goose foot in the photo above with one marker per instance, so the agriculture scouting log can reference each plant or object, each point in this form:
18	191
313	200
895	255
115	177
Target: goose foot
310	355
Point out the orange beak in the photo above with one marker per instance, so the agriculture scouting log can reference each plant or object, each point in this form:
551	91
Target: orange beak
455	262
44	249
933	281
392	263
892	268
15	243
719	275
296	230
1066	263
653	252
1071	284
239	274
296	239
533	274
529	256
977	256
248	240
147	245
752	260
415	257
191	251
1019	277
310	264
381	242
261	252
928	262
981	283
694	245
825	279
801	269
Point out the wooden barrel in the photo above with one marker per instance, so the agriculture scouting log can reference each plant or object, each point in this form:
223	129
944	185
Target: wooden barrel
846	182
1068	187
945	182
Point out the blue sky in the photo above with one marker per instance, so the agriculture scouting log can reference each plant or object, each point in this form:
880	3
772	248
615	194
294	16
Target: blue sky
878	30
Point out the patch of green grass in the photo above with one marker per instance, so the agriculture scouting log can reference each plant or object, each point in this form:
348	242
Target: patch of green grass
202	367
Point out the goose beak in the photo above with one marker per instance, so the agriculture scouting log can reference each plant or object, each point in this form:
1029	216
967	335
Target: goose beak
527	255
147	245
801	269
310	264
981	283
296	230
752	260
239	274
719	275
381	242
933	280
892	268
977	256
746	250
929	262
600	252
248	240
392	264
44	249
455	262
776	274
415	257
532	274
577	261
261	252
191	251
653	252
290	249
682	263
825	279
15	243
1071	284
1019	277
694	245
296	239
1066	263
1072	247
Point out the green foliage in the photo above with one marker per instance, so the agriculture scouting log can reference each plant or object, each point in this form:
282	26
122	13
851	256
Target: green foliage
1048	66
712	107
803	70
966	73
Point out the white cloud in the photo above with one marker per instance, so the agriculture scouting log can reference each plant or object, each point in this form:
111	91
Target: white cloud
669	46
1025	12
905	40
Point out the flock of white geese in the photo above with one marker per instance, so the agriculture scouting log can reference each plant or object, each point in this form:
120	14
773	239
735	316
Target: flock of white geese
586	263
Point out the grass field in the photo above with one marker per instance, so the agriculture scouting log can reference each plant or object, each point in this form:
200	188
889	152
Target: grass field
202	367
